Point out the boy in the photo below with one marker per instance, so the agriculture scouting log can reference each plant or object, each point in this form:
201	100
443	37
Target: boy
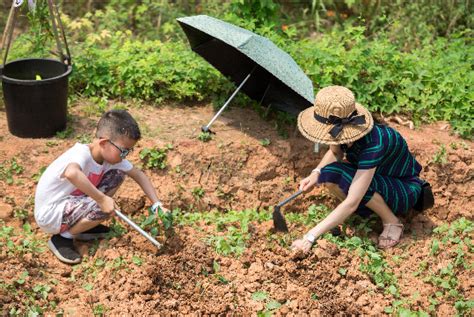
74	194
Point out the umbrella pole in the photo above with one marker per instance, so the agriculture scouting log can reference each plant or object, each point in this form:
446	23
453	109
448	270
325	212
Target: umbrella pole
206	128
264	94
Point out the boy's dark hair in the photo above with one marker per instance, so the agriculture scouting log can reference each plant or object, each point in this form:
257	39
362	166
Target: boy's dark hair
117	123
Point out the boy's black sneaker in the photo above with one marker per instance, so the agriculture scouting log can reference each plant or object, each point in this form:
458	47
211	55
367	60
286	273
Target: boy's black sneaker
98	232
64	249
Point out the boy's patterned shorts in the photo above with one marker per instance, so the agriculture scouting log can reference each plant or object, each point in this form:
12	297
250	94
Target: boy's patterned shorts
79	207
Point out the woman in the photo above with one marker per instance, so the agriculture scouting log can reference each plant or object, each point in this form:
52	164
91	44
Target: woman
368	167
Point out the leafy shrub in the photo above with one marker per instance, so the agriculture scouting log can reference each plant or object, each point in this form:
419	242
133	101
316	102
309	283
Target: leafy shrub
259	12
148	70
431	82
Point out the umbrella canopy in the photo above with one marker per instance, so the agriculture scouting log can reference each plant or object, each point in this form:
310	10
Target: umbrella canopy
275	78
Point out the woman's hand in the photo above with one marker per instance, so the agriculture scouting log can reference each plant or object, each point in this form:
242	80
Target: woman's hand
307	183
301	245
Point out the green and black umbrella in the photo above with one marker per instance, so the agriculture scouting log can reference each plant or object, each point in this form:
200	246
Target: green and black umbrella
257	66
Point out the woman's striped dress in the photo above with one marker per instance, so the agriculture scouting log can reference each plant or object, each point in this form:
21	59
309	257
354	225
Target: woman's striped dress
396	178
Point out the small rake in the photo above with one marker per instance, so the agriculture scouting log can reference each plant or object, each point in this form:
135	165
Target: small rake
279	222
136	227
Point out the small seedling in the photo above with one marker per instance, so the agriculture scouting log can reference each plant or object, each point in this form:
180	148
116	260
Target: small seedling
99	310
51	143
65	134
37	176
137	260
259	296
84	138
20	213
8	169
265	142
204	136
198	193
441	156
270	304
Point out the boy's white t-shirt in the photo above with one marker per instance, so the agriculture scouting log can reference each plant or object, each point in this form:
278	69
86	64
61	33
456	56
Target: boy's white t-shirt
52	189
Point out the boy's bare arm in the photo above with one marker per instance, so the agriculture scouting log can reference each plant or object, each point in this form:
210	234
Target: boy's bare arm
145	183
74	174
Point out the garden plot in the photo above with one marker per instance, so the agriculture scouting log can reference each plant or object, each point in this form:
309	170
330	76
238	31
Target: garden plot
222	255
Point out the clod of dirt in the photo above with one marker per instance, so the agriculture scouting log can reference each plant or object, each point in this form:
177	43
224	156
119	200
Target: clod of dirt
328	247
299	255
6	211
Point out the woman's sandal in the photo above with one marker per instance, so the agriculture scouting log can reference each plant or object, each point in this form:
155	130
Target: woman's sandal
387	238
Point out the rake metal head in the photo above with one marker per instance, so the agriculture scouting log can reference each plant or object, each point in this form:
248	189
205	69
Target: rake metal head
279	221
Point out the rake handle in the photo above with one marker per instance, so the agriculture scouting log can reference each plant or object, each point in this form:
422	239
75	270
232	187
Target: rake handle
136	227
299	192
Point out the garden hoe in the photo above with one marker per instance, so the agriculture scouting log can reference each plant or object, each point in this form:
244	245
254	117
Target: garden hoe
279	221
136	227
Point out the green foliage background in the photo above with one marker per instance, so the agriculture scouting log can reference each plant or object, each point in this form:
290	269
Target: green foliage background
411	57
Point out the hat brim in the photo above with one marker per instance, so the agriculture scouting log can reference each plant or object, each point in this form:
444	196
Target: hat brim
318	132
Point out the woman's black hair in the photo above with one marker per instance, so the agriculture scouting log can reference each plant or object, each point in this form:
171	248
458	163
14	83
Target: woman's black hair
378	119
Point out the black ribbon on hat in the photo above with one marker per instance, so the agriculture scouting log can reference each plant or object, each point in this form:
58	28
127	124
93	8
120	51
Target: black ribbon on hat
339	123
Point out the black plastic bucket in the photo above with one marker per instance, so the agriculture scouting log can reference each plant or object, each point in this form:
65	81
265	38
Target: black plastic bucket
35	92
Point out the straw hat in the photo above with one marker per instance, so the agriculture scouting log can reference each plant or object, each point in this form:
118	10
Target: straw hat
335	117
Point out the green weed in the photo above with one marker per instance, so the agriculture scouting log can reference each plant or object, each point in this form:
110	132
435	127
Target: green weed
66	133
270	304
51	143
441	156
315	214
265	142
204	136
116	230
155	158
152	221
232	227
464	307
445	279
28	242
137	260
198	193
34	298
99	310
9	169
36	177
84	138
232	243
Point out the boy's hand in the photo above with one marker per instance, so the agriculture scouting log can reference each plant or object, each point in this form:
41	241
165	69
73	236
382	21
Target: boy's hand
156	206
107	204
164	213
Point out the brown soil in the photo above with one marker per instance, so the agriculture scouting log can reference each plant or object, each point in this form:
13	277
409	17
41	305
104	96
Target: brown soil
235	171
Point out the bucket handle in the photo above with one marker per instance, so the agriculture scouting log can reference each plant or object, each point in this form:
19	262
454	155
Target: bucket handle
55	22
9	26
